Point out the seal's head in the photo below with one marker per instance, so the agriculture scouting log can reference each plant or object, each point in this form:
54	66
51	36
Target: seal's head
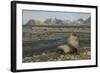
73	40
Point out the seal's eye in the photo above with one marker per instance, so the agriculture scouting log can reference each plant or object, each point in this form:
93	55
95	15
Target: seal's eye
74	34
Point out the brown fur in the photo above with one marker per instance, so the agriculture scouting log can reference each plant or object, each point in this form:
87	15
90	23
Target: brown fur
71	46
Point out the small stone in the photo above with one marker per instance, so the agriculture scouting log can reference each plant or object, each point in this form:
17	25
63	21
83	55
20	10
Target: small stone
27	59
43	54
88	53
62	56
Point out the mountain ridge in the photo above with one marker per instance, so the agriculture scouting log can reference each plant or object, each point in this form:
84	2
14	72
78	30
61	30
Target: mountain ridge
56	21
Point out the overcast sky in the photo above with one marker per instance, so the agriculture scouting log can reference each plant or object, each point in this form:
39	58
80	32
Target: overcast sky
42	15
